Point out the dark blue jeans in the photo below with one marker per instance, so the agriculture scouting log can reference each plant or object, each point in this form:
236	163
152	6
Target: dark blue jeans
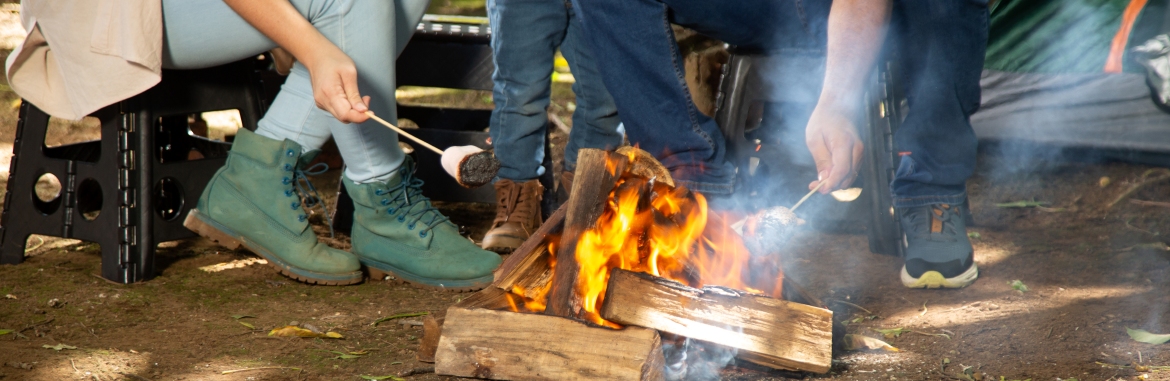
942	46
525	37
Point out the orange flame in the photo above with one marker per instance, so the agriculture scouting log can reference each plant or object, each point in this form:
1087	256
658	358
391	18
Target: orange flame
535	300
667	232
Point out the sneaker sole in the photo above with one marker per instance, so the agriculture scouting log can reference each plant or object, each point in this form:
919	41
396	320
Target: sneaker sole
225	237
382	271
934	279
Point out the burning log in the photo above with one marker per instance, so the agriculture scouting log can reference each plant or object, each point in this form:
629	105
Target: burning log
597	173
766	331
490	298
530	265
512	346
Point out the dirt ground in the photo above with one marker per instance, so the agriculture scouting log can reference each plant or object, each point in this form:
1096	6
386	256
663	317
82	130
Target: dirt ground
1090	272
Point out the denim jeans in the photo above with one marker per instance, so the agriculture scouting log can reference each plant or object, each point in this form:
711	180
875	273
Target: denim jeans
525	37
942	46
203	33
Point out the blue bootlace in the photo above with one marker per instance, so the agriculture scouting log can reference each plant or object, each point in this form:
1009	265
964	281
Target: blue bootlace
408	194
304	190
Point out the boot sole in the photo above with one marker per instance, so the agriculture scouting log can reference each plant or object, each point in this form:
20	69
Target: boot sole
502	244
226	238
934	279
390	274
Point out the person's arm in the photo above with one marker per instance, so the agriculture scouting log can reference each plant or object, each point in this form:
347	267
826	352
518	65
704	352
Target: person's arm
857	30
332	72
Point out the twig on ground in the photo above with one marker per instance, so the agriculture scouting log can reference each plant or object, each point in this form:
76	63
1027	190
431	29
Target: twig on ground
74	365
1145	182
87	329
556	120
106	280
1150	203
33	325
399	316
411	372
853	305
134	376
1134	228
258	368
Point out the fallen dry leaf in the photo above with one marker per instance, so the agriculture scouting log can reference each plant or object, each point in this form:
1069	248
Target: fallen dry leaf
58	347
859	342
294	331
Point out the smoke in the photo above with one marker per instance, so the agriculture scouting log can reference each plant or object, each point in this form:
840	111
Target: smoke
694	360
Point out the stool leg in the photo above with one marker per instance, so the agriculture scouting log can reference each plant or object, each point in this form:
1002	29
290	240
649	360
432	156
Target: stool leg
143	256
24	214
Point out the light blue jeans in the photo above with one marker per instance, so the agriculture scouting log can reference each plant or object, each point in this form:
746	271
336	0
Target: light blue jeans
525	37
204	33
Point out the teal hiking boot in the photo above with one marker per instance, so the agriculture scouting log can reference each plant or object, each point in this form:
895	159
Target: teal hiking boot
255	201
398	235
938	252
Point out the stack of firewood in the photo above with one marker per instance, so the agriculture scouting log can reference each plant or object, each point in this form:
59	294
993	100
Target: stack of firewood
482	336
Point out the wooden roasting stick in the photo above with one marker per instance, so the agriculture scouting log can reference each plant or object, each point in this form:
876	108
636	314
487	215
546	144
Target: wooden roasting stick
504	345
591	187
403	133
767	331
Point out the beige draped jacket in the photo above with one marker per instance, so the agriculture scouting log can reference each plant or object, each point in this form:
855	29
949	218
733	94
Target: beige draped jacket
82	55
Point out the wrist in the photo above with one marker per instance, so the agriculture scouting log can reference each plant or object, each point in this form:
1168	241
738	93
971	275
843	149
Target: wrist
838	104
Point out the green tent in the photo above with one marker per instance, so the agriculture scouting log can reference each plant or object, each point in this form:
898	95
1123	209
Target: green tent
1061	73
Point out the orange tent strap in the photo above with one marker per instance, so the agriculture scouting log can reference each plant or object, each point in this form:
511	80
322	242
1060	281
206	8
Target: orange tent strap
1121	39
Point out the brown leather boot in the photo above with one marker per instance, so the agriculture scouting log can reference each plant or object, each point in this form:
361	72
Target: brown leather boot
517	215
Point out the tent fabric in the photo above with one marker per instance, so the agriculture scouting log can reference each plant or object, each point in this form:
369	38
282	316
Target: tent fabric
1068	36
1081	110
1050	78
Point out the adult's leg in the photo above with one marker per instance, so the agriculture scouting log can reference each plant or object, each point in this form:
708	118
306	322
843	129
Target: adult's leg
943	46
525	36
362	29
643	70
595	121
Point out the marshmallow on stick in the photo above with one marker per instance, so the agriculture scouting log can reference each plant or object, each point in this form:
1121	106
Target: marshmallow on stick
471	166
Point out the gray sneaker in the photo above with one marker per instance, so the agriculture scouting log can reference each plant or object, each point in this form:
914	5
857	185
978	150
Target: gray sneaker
938	252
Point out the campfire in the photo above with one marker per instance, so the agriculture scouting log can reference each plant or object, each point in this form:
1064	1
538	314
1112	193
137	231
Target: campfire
628	259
